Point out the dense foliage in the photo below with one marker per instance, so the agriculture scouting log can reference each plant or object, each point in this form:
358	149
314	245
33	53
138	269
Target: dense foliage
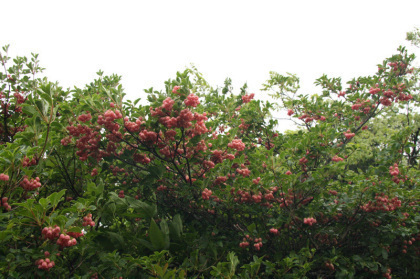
199	184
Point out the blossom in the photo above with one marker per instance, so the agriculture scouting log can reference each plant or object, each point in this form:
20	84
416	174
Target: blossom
248	98
237	144
192	100
309	221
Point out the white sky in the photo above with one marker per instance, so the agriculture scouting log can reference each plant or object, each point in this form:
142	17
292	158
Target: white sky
148	41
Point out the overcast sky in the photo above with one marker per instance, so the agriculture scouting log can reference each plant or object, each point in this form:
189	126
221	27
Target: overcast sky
148	41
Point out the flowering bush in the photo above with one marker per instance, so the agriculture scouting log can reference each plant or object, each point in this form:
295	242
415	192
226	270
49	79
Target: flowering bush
198	183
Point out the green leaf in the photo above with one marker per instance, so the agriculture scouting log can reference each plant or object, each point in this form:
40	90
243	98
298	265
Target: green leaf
44	203
56	197
28	109
145	210
176	226
71	221
233	259
156	236
147	244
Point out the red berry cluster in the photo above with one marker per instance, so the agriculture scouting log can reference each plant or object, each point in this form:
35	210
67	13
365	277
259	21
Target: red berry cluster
94	172
382	203
274	231
248	98
45	264
121	194
337	159
220	179
387	274
244	171
206	194
175	89
66	241
20	99
349	134
309	221
87	220
76	234
245	242
237	144
258	243
84	117
393	170
26	162
5	204
50	232
303	160
329	265
192	100
363	106
30	185
409	242
4	177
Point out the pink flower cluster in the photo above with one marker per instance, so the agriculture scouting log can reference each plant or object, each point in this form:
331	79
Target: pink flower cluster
133	126
87	221
26	162
349	134
206	194
309	221
19	98
148	136
244	171
141	158
66	241
175	89
84	117
393	170
220	179
50	232
5	204
337	159
382	203
167	104
46	264
30	185
237	144
4	177
192	100
248	98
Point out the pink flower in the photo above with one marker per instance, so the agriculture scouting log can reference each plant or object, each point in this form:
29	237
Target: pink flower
206	194
4	177
192	100
237	144
309	221
348	134
85	117
394	171
175	89
248	98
